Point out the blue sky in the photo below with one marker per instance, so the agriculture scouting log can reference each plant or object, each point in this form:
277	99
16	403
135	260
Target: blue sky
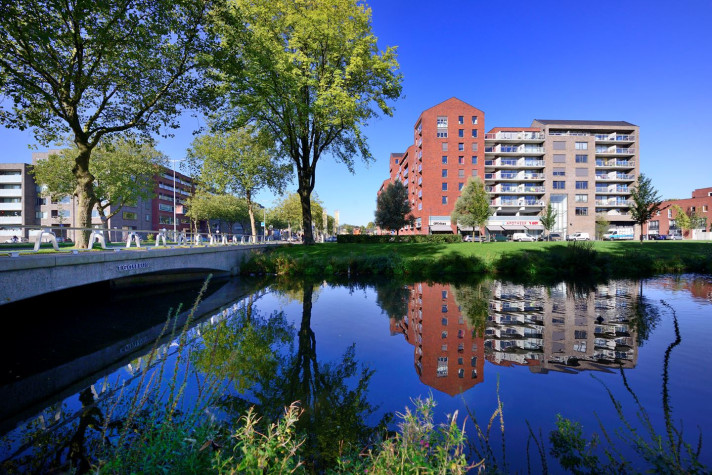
645	62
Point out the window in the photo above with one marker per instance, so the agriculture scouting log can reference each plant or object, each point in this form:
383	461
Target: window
474	133
474	146
442	121
559	158
10	214
444	200
444	294
559	145
444	159
704	208
461	132
580	334
442	133
443	335
15	200
148	217
582	185
164	207
10	187
474	172
461	173
582	198
459	186
444	321
669	213
445	186
460	119
559	185
474	159
581	145
461	160
559	172
443	309
581	158
581	211
444	146
460	373
474	120
444	173
40	201
41	214
461	147
130	215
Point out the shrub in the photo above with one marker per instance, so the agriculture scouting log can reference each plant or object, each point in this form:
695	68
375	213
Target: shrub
385	239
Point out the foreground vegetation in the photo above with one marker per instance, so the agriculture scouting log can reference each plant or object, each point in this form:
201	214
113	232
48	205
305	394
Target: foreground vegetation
534	261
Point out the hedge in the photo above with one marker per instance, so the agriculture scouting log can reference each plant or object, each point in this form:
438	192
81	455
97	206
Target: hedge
414	238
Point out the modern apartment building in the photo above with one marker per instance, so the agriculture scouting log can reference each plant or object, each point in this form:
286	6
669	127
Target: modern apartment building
700	205
18	197
584	168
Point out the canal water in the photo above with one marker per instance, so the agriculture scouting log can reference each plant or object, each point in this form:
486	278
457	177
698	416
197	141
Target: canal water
360	353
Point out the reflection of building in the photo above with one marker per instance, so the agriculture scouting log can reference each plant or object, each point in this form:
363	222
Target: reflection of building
553	329
448	356
699	287
545	328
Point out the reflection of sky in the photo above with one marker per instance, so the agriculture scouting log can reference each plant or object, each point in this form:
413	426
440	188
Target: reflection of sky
340	318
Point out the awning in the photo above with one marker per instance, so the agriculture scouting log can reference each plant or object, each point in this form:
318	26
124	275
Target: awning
535	227
465	228
494	228
439	228
513	227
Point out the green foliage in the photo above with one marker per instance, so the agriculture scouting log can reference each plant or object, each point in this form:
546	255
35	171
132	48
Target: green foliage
646	202
411	238
602	225
393	207
574	452
224	207
472	208
308	73
548	217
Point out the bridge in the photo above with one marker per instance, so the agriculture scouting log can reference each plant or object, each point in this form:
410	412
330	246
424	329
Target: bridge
26	276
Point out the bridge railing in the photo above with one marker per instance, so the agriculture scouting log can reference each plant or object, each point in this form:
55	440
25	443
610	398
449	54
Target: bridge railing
116	238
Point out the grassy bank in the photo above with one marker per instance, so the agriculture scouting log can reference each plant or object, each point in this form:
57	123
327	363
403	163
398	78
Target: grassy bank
519	261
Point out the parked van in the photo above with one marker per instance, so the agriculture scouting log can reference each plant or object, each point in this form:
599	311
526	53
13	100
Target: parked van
578	237
519	237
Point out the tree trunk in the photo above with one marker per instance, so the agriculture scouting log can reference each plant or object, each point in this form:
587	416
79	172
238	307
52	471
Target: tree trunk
104	224
251	212
305	198
84	193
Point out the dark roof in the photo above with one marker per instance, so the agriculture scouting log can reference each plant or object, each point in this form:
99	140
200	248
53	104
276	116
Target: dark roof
615	123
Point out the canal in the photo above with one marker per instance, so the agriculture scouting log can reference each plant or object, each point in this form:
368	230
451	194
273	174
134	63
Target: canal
356	355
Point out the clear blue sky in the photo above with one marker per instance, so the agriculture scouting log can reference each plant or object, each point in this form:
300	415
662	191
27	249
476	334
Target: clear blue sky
645	62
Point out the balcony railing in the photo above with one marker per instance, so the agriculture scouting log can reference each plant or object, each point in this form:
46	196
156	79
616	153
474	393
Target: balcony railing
615	150
515	136
615	137
617	176
615	163
613	203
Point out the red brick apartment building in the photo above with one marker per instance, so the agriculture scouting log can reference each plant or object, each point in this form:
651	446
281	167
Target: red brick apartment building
700	204
584	168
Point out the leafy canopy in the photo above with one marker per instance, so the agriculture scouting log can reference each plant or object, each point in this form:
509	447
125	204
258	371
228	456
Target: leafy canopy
472	208
393	208
646	201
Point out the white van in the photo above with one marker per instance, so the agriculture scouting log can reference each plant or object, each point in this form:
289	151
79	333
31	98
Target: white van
578	237
519	237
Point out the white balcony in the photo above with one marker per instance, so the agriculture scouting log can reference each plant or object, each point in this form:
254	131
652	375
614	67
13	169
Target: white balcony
609	151
615	177
11	206
15	179
514	163
620	190
626	164
11	193
515	136
5	220
514	150
614	137
614	203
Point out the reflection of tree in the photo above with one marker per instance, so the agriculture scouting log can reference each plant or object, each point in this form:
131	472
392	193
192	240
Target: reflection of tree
392	297
335	412
473	300
644	317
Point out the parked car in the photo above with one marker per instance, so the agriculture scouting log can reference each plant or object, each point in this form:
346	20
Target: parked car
520	237
578	237
469	238
675	237
554	237
657	237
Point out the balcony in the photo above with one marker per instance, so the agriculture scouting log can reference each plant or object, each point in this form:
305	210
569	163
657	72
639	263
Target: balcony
514	150
615	177
15	179
615	163
614	151
614	203
514	163
615	138
515	136
612	190
520	202
419	143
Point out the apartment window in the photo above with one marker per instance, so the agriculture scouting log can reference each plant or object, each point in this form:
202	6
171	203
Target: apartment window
474	159
692	209
444	200
474	133
444	159
445	186
582	185
461	147
129	215
559	185
10	187
41	214
581	145
444	294
582	198
461	173
460	119
582	172
442	133
444	146
474	146
461	132
443	309
559	172
40	201
559	145
10	214
474	120
444	173
442	121
704	208
459	186
559	158
581	158
474	172
148	217
164	207
581	211
444	321
461	160
14	200
669	213
654	225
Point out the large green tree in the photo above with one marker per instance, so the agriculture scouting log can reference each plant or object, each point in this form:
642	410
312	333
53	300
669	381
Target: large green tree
472	208
393	208
287	213
238	161
645	202
90	69
123	171
310	73
204	206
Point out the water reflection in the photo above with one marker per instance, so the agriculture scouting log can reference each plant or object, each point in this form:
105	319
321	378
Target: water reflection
564	328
